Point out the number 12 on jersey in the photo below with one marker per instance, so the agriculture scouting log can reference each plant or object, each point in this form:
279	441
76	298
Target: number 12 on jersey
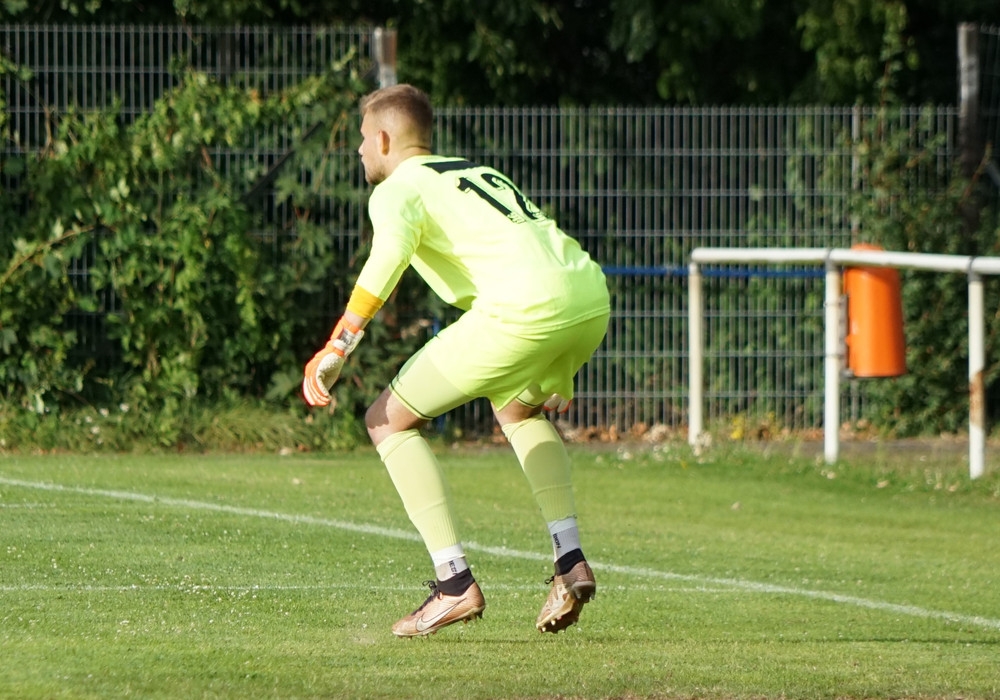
494	189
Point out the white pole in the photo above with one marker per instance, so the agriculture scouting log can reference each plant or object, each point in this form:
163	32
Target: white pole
696	349
832	365
977	392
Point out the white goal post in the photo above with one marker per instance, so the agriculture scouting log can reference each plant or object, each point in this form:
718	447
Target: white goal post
834	260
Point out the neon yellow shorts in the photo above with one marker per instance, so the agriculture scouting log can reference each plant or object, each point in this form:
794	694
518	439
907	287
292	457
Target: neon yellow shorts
477	356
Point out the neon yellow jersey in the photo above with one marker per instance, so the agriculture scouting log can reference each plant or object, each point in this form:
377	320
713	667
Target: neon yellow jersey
479	243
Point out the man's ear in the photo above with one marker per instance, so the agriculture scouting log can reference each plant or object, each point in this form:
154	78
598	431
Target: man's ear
382	142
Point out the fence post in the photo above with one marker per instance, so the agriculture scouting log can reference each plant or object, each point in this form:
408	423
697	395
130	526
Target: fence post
970	149
968	97
385	55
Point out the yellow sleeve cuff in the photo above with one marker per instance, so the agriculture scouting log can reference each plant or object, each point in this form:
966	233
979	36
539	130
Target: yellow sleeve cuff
364	303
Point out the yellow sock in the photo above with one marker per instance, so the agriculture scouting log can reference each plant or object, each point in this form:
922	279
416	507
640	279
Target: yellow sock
415	472
546	464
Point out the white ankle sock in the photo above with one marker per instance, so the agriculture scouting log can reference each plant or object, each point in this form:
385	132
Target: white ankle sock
565	536
448	562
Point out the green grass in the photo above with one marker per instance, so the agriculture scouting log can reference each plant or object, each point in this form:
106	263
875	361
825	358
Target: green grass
739	574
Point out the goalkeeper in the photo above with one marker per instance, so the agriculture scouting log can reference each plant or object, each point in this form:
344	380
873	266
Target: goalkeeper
536	308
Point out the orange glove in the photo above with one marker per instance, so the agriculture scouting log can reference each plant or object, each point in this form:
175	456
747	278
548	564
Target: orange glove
323	370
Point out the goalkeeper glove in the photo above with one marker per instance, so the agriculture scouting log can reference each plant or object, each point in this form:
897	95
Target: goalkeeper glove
323	369
557	403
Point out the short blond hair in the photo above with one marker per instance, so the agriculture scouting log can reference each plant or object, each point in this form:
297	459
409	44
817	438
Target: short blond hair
403	102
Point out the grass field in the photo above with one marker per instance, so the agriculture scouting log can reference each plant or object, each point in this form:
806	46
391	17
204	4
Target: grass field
741	574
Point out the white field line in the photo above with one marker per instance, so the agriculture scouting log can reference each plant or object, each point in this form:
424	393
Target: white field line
638	572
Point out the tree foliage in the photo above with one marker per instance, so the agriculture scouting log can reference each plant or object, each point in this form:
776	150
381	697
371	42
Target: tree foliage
617	51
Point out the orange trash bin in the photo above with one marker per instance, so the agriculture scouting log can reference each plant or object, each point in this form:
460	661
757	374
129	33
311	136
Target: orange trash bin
875	343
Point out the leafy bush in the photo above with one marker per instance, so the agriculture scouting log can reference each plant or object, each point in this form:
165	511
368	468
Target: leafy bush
139	230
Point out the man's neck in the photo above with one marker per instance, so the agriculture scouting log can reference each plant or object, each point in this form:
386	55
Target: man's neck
408	152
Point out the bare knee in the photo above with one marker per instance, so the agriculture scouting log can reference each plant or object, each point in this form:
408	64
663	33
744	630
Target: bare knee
374	417
387	416
377	419
515	412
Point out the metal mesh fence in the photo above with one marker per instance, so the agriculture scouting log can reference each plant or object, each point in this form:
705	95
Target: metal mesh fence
89	67
638	187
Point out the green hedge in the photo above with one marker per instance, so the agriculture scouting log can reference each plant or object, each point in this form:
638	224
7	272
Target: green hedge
137	230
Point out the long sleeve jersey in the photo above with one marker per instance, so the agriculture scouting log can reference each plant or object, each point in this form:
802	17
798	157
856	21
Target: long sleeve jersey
479	243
